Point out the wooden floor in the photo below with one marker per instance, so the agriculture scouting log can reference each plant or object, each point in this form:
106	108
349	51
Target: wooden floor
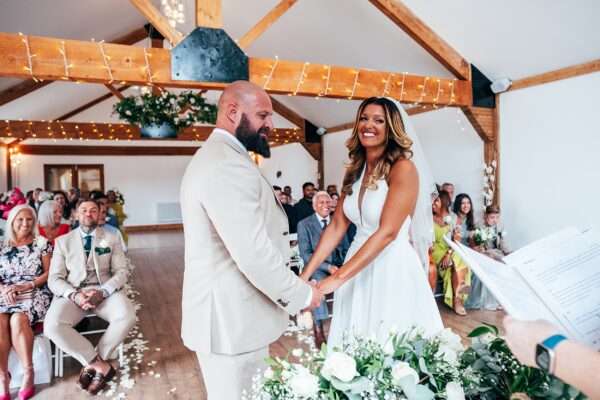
169	370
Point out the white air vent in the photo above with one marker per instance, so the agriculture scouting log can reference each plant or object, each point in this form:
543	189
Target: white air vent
168	212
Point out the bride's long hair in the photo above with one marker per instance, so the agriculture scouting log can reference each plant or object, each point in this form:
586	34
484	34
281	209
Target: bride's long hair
397	145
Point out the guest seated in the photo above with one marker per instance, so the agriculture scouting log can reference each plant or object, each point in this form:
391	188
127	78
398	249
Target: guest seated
87	271
288	190
50	217
116	208
309	233
303	208
24	264
102	224
463	209
489	238
332	189
101	198
455	274
284	199
61	198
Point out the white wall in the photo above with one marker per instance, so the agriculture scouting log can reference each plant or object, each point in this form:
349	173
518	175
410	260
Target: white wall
143	180
451	146
148	180
296	165
549	141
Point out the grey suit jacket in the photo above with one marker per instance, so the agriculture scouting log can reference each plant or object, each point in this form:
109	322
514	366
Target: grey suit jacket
68	265
238	289
309	234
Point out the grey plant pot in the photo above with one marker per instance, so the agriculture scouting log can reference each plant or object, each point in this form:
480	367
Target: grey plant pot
164	131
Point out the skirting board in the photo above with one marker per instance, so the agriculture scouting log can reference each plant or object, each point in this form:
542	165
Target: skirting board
153	228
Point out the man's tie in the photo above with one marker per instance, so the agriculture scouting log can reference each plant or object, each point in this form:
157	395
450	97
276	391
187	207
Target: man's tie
87	245
324	221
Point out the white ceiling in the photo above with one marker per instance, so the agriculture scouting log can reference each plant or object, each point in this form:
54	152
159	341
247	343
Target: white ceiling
509	38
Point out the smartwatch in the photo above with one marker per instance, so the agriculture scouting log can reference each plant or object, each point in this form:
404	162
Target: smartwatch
545	356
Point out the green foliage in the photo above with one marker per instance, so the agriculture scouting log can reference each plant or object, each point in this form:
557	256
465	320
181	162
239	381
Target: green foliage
178	110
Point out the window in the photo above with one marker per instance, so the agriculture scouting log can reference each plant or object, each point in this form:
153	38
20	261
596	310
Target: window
86	177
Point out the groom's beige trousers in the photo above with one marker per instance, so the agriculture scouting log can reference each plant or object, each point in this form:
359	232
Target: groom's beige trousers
63	314
226	376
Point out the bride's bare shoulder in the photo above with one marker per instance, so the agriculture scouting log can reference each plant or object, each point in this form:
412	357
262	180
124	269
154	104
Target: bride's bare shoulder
403	169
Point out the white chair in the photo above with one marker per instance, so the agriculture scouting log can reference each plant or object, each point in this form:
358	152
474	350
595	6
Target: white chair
60	355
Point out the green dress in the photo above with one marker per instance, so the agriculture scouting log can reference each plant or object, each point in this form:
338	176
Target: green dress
440	247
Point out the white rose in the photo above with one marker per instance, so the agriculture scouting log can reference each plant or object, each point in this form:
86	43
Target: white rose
268	374
172	101
340	366
454	391
447	354
402	369
450	339
127	112
303	383
192	100
297	352
484	339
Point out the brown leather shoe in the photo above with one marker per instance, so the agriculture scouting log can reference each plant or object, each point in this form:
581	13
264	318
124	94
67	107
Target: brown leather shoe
99	381
85	377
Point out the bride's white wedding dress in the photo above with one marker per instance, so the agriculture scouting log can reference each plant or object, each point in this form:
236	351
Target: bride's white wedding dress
391	292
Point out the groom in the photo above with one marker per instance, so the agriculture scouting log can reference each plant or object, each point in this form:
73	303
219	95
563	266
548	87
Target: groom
238	289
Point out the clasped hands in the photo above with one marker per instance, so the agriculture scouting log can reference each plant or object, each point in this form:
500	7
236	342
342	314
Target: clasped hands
320	289
88	299
10	292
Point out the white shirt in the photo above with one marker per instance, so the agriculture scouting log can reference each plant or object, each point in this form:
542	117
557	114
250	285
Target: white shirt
327	218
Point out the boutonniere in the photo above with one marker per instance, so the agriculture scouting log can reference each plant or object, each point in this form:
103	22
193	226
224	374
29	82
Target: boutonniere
102	247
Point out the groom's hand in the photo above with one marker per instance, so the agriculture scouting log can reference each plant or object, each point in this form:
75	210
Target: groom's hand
317	296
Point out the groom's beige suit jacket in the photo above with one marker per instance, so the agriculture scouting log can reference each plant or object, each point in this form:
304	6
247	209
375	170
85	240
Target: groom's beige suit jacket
238	290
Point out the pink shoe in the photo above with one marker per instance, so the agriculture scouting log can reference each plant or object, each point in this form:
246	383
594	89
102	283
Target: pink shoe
7	395
26	393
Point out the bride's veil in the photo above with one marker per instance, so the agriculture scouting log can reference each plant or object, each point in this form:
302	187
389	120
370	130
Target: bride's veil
421	228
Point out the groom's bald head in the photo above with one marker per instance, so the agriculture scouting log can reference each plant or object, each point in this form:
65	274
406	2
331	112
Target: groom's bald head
245	110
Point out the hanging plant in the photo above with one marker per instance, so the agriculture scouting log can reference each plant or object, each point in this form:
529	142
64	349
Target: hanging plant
176	111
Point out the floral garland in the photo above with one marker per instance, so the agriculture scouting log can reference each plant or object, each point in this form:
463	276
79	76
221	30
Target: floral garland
177	110
408	366
489	183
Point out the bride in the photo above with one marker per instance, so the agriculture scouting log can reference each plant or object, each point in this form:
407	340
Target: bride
382	284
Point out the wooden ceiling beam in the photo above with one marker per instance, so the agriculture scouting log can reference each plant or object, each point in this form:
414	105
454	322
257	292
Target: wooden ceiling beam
265	23
341	127
287	113
483	121
92	103
128	65
209	14
28	86
60	130
559	74
116	92
94	150
425	37
159	21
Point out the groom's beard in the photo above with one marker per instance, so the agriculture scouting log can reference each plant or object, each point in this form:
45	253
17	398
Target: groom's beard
252	139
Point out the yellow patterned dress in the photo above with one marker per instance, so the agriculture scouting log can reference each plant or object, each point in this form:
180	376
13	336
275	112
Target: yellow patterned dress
121	217
440	247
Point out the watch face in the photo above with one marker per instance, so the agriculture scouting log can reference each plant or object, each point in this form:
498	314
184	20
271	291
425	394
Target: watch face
542	357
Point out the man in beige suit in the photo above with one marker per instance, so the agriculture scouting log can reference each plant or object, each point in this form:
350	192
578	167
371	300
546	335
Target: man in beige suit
238	290
87	271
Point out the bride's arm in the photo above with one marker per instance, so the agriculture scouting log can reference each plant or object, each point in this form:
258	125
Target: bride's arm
331	237
399	204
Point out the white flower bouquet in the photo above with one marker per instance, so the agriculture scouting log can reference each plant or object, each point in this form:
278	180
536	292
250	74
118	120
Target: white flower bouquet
408	366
